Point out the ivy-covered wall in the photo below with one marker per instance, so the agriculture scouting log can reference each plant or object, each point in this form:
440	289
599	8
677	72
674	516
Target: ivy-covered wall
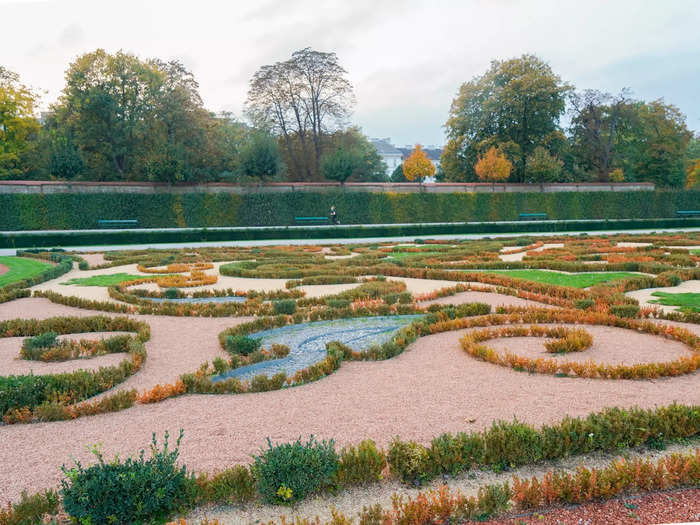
63	211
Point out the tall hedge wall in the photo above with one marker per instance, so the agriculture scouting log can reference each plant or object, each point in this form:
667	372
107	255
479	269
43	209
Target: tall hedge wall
63	211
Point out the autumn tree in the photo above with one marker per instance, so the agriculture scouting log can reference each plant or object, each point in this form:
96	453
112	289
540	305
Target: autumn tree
493	166
517	101
417	166
301	99
18	125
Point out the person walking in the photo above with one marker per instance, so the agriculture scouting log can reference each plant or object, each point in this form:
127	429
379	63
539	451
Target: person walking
334	215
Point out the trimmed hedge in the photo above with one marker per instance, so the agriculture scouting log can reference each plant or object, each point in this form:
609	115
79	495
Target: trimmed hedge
200	210
80	238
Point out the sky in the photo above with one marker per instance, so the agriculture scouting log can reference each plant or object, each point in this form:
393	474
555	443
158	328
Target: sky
405	59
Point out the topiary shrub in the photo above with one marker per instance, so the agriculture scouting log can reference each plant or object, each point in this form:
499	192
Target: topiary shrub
285	306
338	303
134	491
45	340
291	471
171	293
390	298
241	344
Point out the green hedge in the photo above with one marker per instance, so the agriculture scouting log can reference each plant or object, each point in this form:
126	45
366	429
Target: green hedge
107	237
63	211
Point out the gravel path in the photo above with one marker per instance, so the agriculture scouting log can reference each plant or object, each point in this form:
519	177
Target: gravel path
494	299
3	269
431	388
94	259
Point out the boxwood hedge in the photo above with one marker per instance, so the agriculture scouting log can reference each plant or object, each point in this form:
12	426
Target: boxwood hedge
63	211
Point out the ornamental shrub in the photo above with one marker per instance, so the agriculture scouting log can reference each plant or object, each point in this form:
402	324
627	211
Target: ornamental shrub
390	298
39	342
409	461
285	306
338	303
241	344
30	509
291	471
584	304
233	485
136	490
405	298
624	310
171	293
360	465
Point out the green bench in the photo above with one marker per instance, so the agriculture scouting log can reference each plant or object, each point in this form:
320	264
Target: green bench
117	222
531	216
310	220
688	213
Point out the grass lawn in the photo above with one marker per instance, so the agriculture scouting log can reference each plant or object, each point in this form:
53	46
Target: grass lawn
695	252
106	280
576	280
689	302
404	255
21	268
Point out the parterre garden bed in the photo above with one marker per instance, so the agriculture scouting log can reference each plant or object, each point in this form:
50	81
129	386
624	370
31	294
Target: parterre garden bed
295	339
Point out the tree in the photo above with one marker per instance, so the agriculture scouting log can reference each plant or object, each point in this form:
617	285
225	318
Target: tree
371	167
301	99
543	167
517	101
341	164
597	124
655	144
493	166
417	166
260	157
397	175
18	125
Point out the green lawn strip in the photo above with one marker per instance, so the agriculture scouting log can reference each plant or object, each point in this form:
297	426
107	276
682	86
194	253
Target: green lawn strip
695	252
575	280
107	280
21	268
404	255
688	302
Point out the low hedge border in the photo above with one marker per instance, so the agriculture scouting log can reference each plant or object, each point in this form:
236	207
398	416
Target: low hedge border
54	397
683	365
88	237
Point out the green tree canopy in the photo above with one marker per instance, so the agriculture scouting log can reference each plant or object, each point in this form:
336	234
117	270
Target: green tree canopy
260	157
18	125
341	164
515	106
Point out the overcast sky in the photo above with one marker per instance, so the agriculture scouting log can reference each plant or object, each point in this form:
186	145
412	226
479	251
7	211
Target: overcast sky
406	59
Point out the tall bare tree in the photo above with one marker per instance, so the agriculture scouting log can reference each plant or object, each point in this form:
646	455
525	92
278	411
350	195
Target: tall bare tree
301	99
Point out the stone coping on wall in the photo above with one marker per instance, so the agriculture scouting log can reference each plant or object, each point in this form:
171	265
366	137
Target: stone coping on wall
42	187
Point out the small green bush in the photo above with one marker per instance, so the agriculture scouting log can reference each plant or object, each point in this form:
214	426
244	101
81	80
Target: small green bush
30	509
133	491
360	465
291	471
262	383
171	293
241	344
584	304
285	306
405	298
45	340
624	310
338	303
390	298
409	461
233	485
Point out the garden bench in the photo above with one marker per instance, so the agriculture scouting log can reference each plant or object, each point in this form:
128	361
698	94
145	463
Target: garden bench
117	222
688	213
310	220
531	216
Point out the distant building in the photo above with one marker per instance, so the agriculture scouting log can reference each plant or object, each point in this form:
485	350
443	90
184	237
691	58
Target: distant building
390	154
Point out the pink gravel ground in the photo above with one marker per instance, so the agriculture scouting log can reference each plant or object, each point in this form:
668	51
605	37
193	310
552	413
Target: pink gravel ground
3	269
431	388
494	299
94	259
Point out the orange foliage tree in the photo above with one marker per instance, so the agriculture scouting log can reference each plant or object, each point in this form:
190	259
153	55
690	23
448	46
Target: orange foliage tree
418	166
493	166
